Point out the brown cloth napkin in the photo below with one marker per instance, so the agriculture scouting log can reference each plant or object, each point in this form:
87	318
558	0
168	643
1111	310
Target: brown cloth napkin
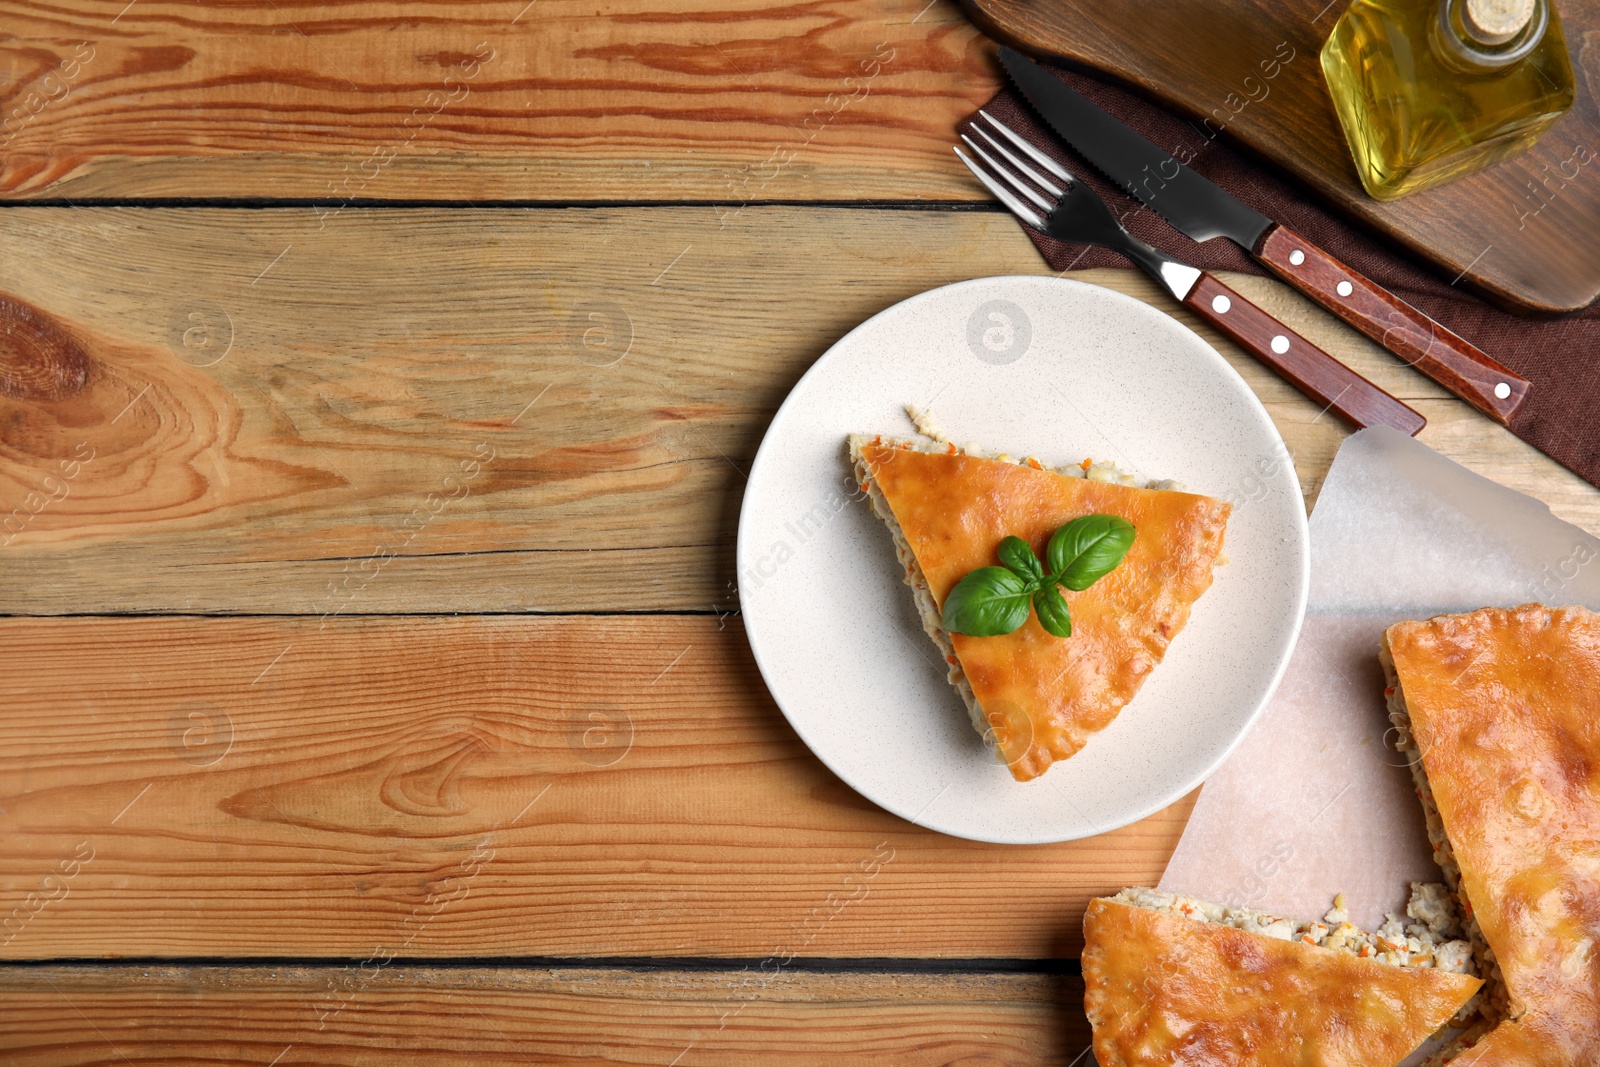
1559	357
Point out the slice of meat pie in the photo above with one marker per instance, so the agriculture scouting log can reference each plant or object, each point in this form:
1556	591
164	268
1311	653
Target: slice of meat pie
1170	981
1041	696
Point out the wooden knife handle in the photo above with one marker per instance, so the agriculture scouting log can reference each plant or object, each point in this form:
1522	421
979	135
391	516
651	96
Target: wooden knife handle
1448	359
1307	367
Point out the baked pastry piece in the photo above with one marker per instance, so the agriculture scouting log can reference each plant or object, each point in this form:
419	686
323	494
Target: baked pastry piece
1499	711
1039	697
1170	981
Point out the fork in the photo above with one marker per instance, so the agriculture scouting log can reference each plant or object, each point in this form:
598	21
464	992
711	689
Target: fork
1058	205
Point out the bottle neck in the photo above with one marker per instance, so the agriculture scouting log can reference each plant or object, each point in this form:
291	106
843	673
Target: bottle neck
1485	34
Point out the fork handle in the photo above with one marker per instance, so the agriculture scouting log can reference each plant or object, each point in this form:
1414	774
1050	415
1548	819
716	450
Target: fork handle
1303	364
1452	361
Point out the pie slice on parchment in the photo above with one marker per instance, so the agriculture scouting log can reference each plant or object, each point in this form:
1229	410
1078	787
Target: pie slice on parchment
1499	711
1036	696
1174	982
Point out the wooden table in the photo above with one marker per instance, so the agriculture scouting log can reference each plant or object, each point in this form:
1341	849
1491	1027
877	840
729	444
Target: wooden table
373	684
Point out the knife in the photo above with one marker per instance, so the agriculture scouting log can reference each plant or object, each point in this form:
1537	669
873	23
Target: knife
1203	211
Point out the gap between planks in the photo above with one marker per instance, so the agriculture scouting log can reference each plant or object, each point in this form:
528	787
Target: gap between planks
954	965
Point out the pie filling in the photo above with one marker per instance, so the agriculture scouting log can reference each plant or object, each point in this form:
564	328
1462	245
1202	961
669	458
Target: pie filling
1430	939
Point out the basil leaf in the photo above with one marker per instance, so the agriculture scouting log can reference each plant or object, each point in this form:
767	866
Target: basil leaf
1087	549
1018	557
987	602
1052	611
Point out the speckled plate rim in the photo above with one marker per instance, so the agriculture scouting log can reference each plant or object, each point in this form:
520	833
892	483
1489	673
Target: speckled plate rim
1277	485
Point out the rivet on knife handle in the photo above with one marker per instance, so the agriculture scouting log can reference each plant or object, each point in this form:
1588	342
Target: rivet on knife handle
1448	359
1308	367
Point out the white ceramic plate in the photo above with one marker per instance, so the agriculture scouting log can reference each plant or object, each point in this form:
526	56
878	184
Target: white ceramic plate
1045	367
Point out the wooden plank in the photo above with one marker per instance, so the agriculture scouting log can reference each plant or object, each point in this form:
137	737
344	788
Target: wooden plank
351	371
289	1016
727	100
494	786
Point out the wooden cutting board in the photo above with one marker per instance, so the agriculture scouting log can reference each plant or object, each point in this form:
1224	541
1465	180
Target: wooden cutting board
1529	246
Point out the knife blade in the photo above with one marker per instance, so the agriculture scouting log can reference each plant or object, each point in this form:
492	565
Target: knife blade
1203	211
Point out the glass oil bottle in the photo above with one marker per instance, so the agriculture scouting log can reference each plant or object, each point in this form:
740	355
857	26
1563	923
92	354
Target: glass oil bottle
1429	90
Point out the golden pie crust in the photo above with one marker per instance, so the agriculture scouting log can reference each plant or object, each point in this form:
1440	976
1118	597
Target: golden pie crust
1043	695
1162	990
1505	711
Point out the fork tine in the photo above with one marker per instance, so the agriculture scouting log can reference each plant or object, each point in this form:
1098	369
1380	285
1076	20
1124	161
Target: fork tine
1016	184
1029	150
1038	179
1018	208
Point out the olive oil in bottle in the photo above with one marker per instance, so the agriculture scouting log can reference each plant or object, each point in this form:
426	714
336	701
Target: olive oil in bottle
1429	90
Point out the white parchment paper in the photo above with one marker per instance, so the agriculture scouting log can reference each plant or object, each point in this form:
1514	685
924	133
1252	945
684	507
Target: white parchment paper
1315	801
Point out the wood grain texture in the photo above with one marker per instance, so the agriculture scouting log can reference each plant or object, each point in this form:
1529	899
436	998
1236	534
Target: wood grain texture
496	786
728	100
732	100
277	414
409	1015
1249	70
1452	361
1311	370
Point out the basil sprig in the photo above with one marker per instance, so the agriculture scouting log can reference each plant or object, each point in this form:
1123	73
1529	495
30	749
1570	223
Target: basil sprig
995	600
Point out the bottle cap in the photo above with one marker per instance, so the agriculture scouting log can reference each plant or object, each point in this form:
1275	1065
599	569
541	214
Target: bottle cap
1496	21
